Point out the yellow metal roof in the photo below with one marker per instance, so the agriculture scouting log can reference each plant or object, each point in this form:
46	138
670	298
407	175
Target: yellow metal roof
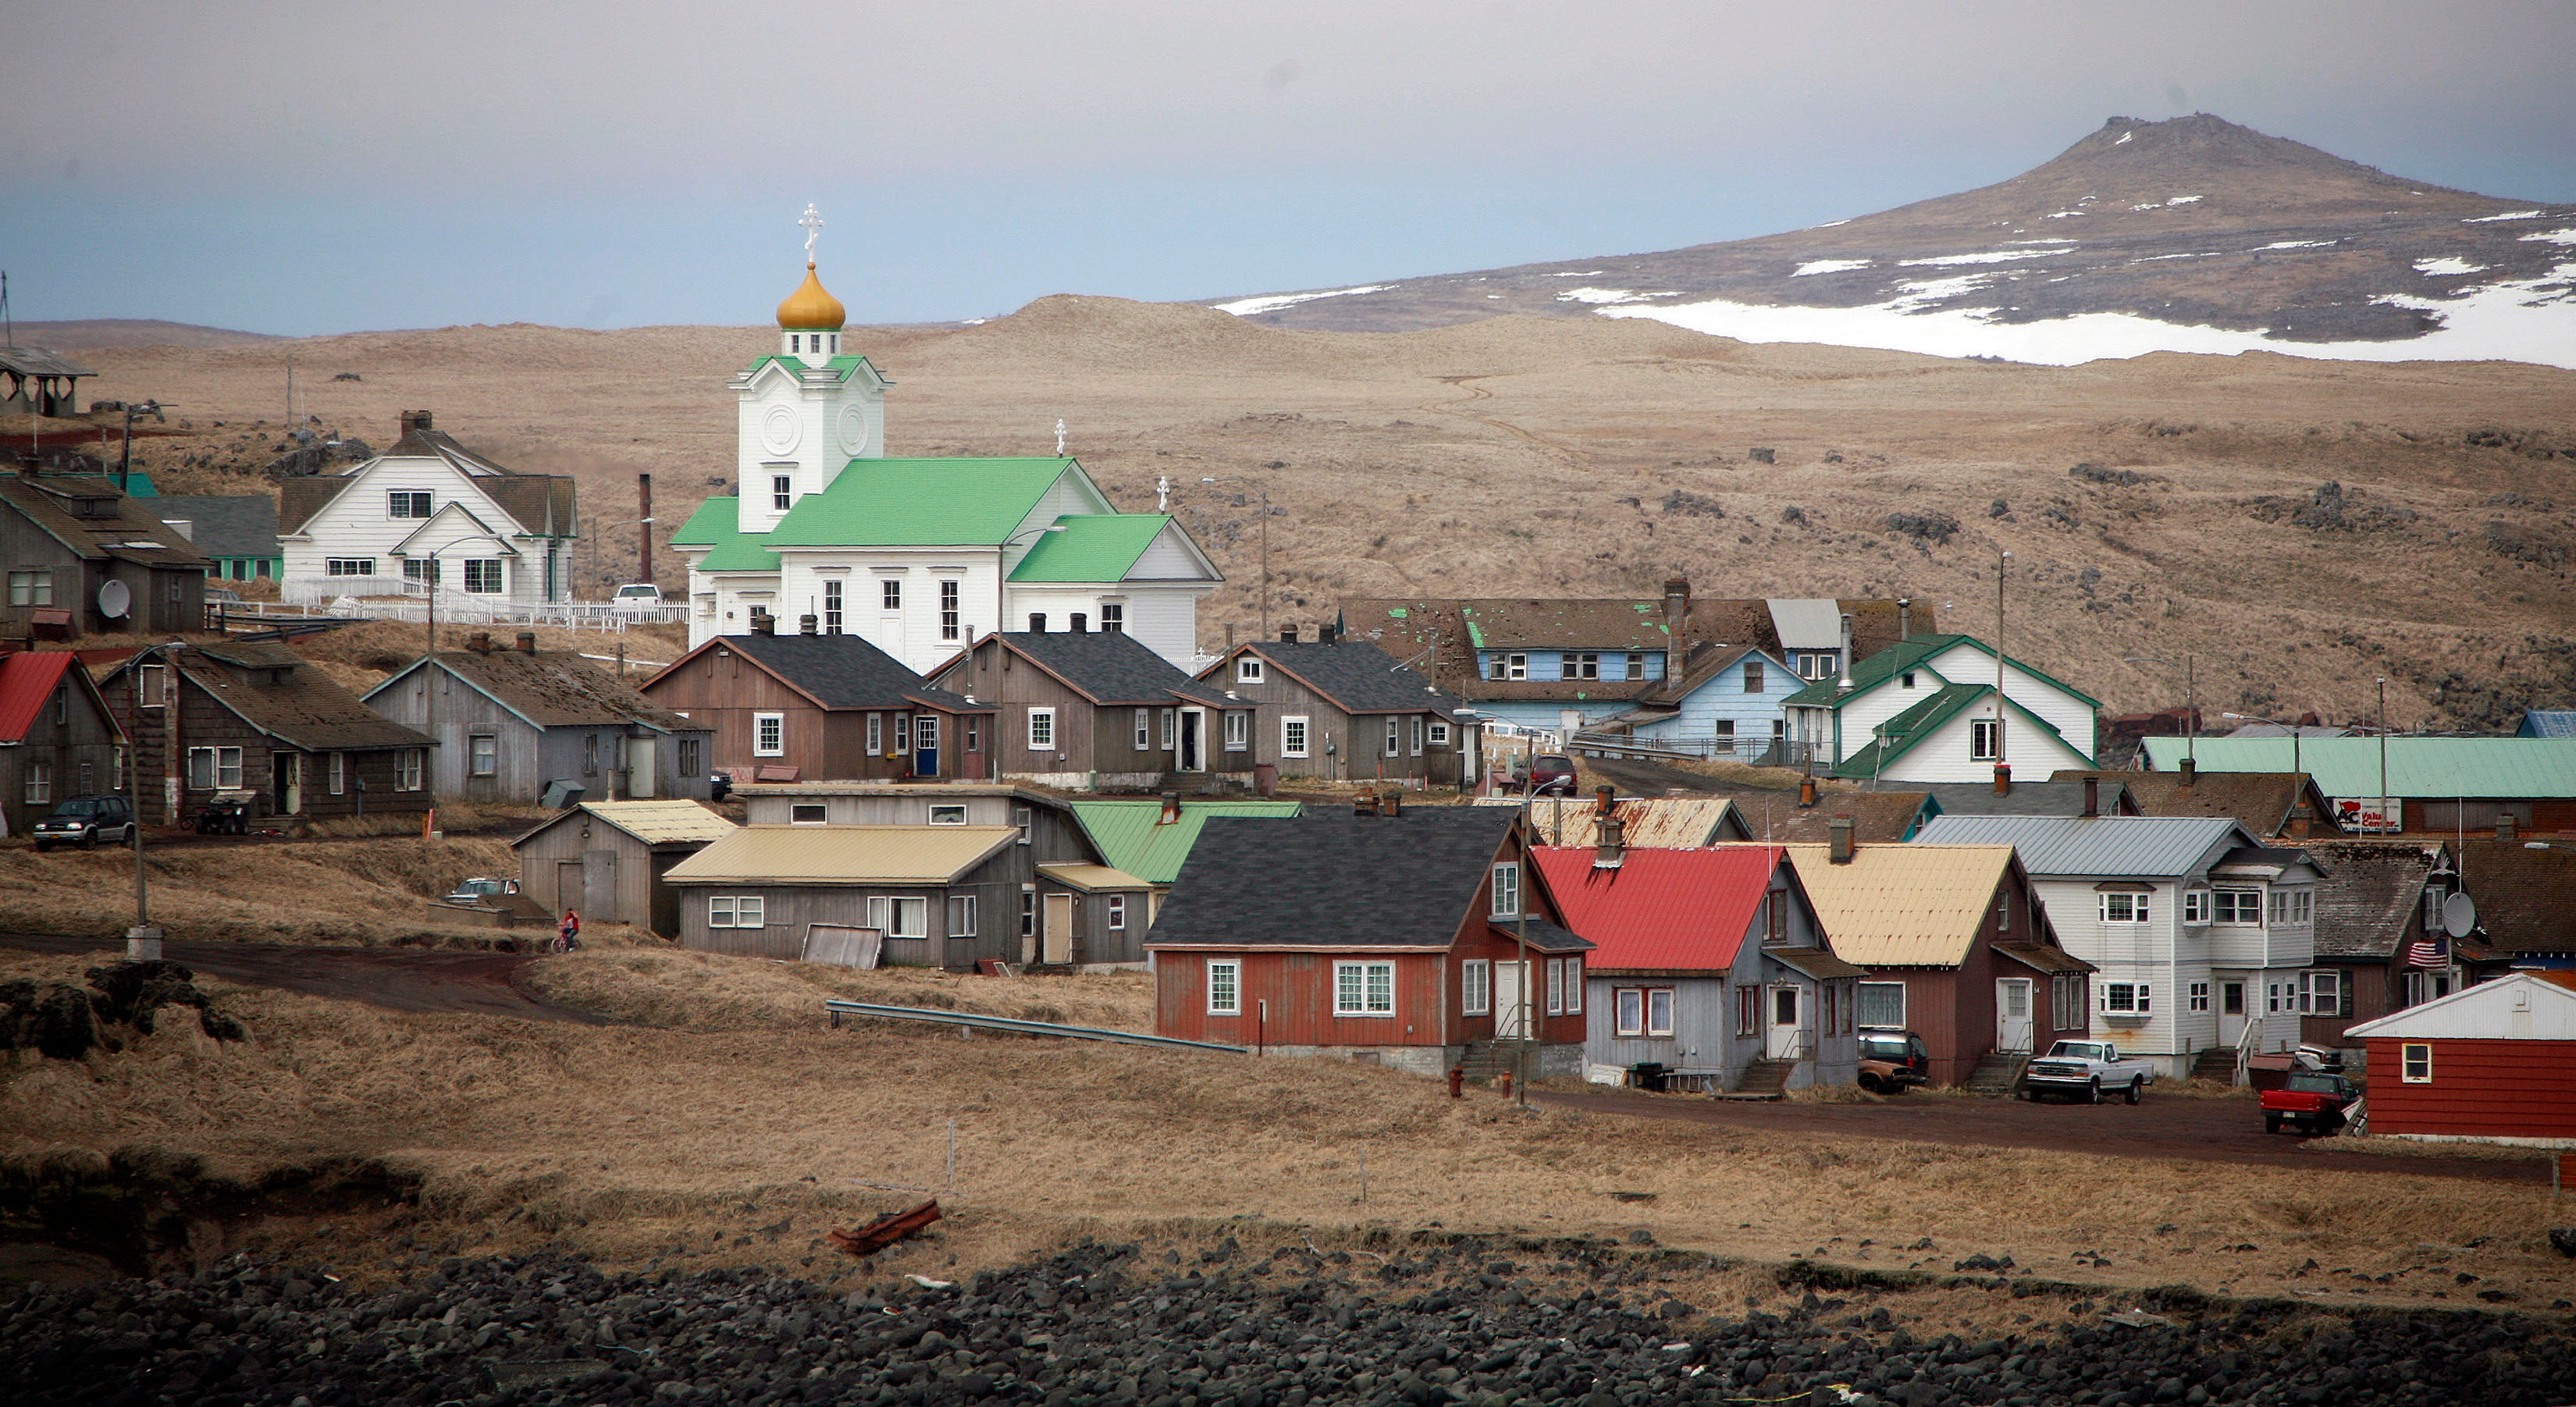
1082	876
657	822
843	855
1903	905
1653	823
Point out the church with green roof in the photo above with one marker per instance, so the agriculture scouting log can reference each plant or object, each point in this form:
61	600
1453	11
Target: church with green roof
918	556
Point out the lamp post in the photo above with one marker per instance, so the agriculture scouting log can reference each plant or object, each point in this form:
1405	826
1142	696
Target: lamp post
1264	491
429	667
143	940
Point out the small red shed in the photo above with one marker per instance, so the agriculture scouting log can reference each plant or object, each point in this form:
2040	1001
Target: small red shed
2495	1063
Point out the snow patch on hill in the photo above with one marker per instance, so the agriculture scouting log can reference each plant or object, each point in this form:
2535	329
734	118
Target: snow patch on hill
1271	303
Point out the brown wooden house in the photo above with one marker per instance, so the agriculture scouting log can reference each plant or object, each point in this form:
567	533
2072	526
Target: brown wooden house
82	558
823	707
1099	710
1392	937
1343	709
2378	902
255	718
57	737
1959	950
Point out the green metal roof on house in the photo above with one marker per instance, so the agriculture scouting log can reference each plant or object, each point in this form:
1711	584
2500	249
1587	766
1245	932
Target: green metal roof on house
712	523
2432	768
842	365
1132	838
1092	547
1911	654
920	503
739	552
1899	735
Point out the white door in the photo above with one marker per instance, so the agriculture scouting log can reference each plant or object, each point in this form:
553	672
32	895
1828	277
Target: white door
1507	1000
2012	1015
1058	949
2235	997
639	769
1787	1035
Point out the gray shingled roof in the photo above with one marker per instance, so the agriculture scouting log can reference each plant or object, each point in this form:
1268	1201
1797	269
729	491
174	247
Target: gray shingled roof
224	525
2370	896
1109	667
1333	879
552	689
844	671
2097	847
2025	799
1357	676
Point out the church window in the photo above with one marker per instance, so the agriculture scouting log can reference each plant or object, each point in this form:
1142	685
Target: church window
795	343
831	608
1113	618
892	587
782	491
948	612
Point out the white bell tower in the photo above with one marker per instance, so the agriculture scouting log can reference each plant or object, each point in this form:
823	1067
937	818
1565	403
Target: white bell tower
808	410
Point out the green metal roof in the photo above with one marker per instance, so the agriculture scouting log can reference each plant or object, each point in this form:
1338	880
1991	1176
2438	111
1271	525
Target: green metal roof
2431	768
920	503
843	366
1130	837
1900	735
1092	547
712	523
1875	670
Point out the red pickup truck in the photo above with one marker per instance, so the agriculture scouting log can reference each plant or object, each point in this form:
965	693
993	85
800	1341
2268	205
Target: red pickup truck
2311	1100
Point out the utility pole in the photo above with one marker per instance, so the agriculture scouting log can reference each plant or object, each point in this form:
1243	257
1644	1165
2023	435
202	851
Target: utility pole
1521	1017
644	519
2000	759
1265	564
2383	758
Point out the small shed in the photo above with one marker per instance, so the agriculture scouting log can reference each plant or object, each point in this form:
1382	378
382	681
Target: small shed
608	859
2495	1063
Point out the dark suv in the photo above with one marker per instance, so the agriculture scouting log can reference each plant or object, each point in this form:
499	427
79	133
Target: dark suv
1891	1062
85	821
1551	774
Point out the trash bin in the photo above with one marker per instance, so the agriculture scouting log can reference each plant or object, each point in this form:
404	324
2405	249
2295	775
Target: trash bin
1265	778
1647	1074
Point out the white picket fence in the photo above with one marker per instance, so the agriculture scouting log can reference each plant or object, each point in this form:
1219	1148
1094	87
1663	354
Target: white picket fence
335	598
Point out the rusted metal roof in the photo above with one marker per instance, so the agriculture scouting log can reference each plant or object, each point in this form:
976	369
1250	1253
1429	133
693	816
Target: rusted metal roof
27	679
1654	823
1903	905
843	855
1091	877
1661	910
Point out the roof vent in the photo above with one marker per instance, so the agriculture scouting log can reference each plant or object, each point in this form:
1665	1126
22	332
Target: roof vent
527	642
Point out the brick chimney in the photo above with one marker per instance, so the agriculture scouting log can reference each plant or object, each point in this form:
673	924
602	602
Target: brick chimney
763	623
414	420
1171	809
1839	829
2003	779
1613	851
809	625
2092	796
527	642
1287	635
2190	771
1806	791
480	642
1324	633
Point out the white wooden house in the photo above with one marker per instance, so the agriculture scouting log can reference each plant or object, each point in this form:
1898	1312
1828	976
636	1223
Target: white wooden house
1926	711
428	509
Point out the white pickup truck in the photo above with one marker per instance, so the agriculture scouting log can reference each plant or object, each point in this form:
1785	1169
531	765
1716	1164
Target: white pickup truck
2085	1069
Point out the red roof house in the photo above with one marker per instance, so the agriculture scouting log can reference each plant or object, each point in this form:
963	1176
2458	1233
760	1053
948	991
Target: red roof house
57	738
2494	1063
1708	968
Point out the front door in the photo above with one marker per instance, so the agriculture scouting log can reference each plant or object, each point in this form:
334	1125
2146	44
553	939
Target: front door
599	886
287	772
925	745
1507	1001
2012	1015
1191	721
1057	948
568	893
639	769
1787	1034
2231	1011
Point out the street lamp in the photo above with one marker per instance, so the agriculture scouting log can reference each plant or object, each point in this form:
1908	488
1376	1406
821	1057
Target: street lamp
1264	491
2277	723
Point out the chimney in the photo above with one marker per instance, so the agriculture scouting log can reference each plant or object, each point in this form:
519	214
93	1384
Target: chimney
1614	843
763	623
2003	779
414	420
1324	633
2504	825
1904	618
1806	791
27	466
644	527
809	625
527	642
1171	809
1676	598
1840	831
1604	800
2299	821
1287	635
480	642
1364	803
1845	682
2190	771
2092	796
1390	801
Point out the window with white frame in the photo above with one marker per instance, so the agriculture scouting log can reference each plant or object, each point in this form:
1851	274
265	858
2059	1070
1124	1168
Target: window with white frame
1028	910
1628	1011
1292	736
1636	664
769	735
483	755
876	734
1023	819
1516	666
961	915
1247	670
39	786
1506	890
1167	729
1363	989
1982	733
1659	1011
1238	730
1476	987
1583	665
808	813
950	615
152	686
832	605
1041	730
899	916
339	773
1748	1008
2195	906
407	769
1117	913
2124	908
2125	998
2236	908
483	576
1144	729
1224	987
1882	1005
1394	736
1574	986
737	911
214	768
1113	618
2273	1002
2066	1004
2199	996
902	733
948	815
2415	1064
1417	735
1439	733
890	594
1555	987
349	566
2290	906
782	491
2321	992
407	503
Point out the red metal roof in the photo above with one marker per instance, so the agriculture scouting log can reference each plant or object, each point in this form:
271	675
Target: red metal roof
1661	909
27	679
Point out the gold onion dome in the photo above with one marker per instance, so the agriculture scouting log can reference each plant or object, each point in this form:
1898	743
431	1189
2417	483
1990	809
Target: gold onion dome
810	309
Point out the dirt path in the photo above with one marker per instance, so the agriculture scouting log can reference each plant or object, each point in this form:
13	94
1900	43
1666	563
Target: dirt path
476	984
2199	1130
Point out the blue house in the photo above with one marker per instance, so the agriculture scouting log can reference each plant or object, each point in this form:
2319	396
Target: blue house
1729	706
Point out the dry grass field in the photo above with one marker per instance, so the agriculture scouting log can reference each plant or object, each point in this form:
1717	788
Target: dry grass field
743	1137
370	891
1545	456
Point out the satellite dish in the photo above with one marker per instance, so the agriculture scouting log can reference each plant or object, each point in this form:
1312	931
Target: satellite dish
2459	915
115	599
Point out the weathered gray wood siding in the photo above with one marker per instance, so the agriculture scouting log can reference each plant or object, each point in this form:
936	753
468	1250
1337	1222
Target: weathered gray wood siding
787	910
81	749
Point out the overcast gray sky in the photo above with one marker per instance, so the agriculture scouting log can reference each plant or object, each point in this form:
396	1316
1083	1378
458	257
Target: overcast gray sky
313	167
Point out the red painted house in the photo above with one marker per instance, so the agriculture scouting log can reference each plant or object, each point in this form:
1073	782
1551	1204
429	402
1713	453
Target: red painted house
2495	1063
1394	935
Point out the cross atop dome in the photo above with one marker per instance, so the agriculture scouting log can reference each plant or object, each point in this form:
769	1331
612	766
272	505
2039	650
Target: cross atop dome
813	223
809	322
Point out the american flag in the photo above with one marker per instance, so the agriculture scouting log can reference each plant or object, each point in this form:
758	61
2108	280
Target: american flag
2429	952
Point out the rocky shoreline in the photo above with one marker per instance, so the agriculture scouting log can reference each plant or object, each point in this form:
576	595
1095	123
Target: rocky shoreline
1471	1321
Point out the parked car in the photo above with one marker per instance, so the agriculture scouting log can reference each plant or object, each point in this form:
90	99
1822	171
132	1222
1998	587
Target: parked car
719	785
1892	1062
85	821
1551	773
222	596
482	890
2311	1100
2086	1069
639	593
